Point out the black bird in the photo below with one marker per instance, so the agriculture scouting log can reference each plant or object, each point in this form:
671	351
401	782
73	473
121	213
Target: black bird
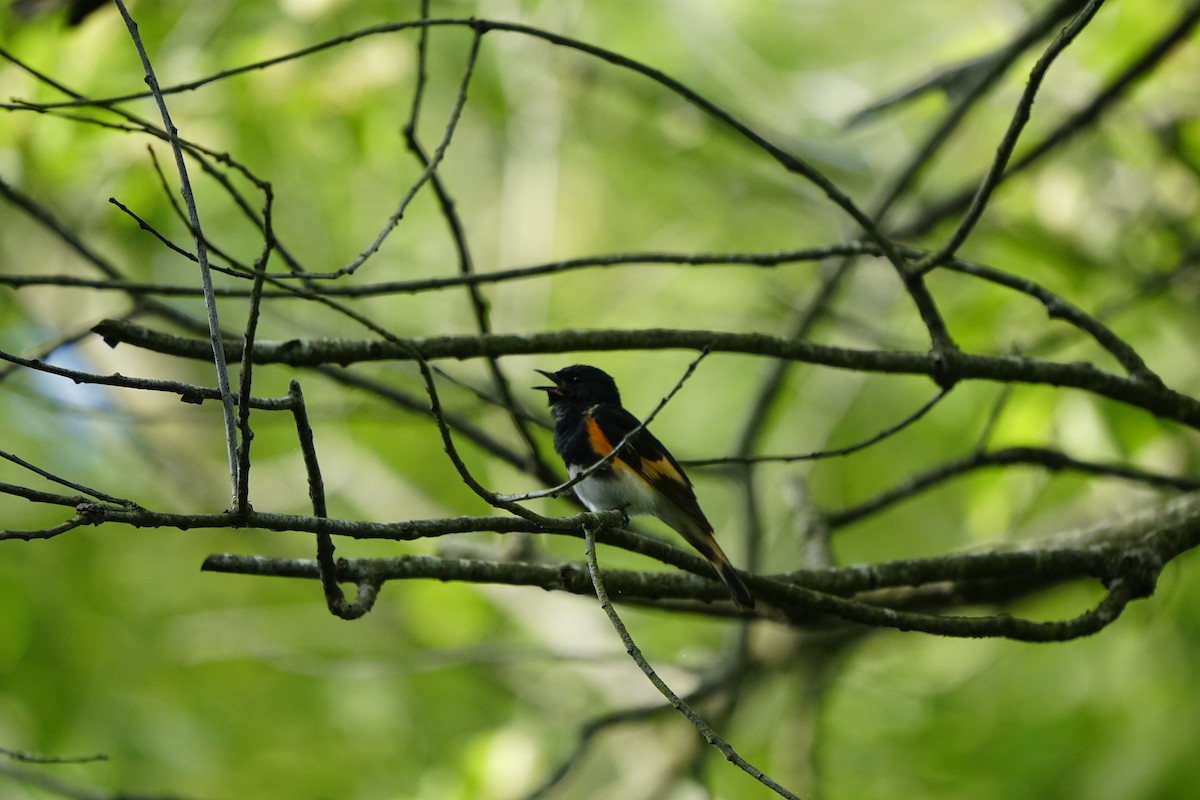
643	478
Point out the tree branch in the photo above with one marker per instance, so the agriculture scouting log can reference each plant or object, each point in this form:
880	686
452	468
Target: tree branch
1046	458
1008	143
1161	402
210	300
635	652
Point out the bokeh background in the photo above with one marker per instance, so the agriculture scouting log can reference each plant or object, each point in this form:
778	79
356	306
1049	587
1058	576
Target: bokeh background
213	686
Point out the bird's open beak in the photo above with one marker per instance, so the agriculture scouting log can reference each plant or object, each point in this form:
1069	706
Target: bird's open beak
555	389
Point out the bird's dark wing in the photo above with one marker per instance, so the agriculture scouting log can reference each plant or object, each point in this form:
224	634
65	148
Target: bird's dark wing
604	426
643	454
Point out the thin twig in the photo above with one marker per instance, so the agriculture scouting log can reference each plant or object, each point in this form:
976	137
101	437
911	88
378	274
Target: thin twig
79	487
1008	143
47	498
1046	458
873	439
146	226
429	171
210	300
138	124
433	284
458	236
674	699
241	501
234	271
39	758
791	162
368	586
245	377
992	71
1058	308
40	533
770	388
1078	122
188	392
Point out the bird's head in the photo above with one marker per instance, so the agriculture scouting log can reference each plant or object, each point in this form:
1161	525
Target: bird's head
580	384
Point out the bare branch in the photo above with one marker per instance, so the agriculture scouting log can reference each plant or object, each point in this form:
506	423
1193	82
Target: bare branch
335	599
458	236
871	440
38	758
39	533
430	164
674	699
96	493
1051	460
1161	402
1127	555
188	393
210	300
791	162
1078	122
241	500
1008	143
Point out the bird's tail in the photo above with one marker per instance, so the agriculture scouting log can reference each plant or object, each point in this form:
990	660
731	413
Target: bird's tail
733	583
702	539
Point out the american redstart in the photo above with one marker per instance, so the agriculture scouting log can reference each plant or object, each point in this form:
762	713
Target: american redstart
643	478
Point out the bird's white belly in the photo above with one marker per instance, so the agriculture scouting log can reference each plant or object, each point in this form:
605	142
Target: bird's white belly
616	489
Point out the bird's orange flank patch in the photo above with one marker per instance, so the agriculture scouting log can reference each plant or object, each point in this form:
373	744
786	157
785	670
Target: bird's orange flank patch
601	446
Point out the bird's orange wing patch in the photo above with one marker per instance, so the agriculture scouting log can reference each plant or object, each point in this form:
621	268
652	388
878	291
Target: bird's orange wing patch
662	469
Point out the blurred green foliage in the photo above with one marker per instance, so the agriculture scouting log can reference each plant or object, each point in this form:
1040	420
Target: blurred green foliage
212	686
